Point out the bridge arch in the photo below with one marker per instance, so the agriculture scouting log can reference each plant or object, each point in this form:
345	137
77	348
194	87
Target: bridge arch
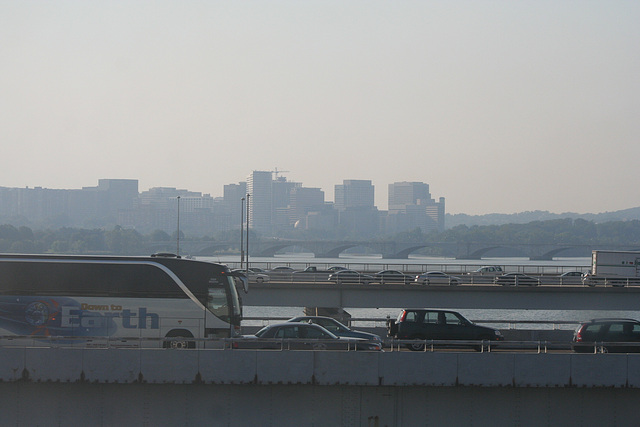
272	250
548	256
479	253
404	254
335	252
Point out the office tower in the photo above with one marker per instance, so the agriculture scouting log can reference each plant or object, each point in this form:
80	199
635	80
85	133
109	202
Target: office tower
354	193
411	207
259	186
407	193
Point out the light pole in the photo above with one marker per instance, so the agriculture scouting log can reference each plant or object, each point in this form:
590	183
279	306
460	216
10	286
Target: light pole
178	234
241	233
248	195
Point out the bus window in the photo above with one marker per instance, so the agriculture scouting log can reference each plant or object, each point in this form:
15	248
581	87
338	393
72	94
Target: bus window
217	302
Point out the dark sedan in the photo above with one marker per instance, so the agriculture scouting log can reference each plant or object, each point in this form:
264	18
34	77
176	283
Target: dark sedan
516	279
337	328
350	276
302	336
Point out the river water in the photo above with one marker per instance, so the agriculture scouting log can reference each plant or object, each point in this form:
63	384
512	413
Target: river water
376	263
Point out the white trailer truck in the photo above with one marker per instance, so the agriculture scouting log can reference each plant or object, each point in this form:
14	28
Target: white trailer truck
616	268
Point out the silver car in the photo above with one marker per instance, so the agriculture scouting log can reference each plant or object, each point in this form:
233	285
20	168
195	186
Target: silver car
436	278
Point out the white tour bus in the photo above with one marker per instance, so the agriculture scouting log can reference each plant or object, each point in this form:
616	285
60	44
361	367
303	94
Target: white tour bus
161	300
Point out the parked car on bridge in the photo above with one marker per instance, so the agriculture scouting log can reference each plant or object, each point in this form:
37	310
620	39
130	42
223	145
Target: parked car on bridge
281	273
607	336
426	324
516	279
337	328
571	278
282	269
254	277
350	276
311	273
487	270
302	336
393	276
436	278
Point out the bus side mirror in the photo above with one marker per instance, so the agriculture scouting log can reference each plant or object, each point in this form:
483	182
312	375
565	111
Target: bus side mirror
243	278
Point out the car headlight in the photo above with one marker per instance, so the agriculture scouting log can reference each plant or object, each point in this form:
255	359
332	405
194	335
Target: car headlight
498	333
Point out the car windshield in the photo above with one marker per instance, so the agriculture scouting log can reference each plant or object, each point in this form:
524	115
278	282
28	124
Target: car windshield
262	331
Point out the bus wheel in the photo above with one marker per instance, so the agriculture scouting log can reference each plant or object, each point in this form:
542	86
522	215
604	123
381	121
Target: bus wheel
180	339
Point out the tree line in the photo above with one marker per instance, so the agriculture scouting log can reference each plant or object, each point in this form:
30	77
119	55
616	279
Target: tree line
122	241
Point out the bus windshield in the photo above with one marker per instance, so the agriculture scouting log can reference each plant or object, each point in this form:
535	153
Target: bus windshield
223	300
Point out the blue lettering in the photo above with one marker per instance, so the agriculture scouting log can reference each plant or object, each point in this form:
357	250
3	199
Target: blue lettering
72	317
126	319
155	319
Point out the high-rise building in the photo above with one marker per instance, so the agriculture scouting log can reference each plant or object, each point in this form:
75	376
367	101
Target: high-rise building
357	214
411	206
303	201
407	193
259	186
354	193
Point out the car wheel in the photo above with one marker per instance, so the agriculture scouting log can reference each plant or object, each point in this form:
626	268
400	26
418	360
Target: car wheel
259	280
419	345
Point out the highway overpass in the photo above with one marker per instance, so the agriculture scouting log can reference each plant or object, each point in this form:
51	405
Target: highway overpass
460	297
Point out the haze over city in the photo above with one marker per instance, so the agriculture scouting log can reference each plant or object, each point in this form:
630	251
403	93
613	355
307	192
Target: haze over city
498	106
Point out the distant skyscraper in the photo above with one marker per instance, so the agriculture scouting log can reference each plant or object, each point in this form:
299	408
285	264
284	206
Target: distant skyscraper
259	185
411	206
354	193
407	193
305	200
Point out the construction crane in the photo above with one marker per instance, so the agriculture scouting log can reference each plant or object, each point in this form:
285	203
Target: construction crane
276	172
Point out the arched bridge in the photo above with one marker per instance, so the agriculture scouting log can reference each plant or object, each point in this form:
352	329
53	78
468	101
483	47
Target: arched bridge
389	249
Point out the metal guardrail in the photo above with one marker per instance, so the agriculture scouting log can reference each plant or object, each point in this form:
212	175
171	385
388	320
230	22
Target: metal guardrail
449	268
479	345
383	321
290	344
136	343
542	280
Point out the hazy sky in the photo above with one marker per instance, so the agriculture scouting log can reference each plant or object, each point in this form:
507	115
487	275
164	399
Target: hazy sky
500	106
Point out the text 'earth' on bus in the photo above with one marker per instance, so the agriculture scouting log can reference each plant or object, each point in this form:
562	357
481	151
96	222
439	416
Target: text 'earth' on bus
156	301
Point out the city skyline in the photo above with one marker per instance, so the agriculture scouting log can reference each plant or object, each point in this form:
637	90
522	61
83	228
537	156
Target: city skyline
274	207
329	195
501	107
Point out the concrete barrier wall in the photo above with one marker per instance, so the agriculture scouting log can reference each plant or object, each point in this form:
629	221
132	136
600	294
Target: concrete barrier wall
450	369
142	404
